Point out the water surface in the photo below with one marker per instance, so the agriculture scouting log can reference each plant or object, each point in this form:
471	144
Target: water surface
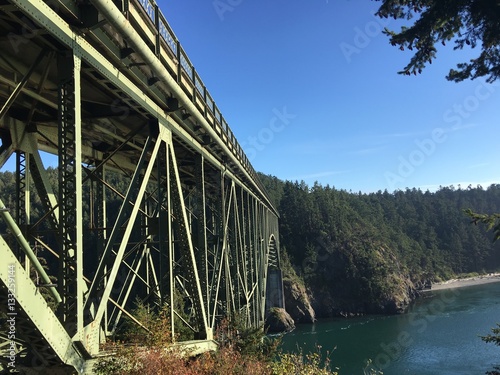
438	336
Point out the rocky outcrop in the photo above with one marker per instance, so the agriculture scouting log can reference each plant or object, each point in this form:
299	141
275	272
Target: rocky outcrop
297	302
279	321
330	299
392	296
361	277
401	296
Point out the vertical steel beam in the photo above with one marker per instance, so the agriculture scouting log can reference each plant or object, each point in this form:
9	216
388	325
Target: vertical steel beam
70	193
100	220
170	238
22	197
200	234
217	280
145	247
165	261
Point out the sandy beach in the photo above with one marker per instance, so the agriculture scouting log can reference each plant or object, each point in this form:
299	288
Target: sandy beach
458	283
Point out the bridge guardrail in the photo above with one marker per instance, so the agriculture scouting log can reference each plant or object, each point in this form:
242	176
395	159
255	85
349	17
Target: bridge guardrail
176	61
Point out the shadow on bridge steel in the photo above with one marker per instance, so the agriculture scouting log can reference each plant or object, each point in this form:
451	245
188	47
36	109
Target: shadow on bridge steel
107	87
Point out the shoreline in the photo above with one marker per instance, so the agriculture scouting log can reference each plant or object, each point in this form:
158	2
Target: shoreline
469	281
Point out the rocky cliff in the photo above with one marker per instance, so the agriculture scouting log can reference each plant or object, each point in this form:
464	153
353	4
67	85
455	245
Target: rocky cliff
297	302
305	306
360	276
279	321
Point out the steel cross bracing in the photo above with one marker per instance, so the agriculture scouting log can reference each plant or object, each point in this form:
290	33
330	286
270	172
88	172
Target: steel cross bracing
155	199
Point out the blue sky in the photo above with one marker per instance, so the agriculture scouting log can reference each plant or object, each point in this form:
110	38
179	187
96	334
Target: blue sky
311	90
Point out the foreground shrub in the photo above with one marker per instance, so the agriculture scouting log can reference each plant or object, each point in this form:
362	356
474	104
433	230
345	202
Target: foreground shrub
300	364
148	350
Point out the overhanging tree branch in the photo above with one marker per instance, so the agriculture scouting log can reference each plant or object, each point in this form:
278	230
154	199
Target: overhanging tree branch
468	23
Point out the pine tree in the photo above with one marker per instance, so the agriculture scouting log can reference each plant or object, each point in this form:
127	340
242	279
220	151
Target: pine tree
466	23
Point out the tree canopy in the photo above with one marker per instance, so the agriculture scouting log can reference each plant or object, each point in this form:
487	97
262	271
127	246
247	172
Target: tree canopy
466	23
363	253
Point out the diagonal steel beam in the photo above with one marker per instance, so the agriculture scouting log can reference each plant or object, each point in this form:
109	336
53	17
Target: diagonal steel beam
32	308
187	248
150	151
51	21
218	216
6	154
130	196
28	143
156	284
132	273
20	86
4	213
43	79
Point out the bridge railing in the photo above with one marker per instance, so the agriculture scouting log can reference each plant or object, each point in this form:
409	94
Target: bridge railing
174	58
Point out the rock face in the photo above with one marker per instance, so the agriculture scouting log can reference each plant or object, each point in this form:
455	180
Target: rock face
279	321
348	297
401	297
358	279
362	276
332	300
297	302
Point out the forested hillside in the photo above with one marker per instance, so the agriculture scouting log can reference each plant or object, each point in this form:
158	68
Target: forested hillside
359	253
369	253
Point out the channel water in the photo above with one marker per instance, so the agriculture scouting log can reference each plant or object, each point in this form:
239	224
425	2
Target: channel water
439	335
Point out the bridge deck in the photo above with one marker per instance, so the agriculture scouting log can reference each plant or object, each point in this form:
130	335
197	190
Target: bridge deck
113	116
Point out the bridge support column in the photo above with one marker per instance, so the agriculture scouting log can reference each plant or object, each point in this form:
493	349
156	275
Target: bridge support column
274	290
23	197
199	228
70	193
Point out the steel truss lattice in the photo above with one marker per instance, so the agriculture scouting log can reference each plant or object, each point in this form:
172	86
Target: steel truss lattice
155	200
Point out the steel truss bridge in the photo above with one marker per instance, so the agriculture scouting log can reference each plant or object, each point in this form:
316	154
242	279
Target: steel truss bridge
106	86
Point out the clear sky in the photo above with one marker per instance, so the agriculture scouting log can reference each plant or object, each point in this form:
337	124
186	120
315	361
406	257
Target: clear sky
311	90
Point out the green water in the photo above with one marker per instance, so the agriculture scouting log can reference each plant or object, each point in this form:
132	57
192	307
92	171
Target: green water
438	336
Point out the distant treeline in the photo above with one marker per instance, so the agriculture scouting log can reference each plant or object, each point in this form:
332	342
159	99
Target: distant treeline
363	252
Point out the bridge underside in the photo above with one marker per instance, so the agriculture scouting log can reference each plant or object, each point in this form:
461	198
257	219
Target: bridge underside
155	200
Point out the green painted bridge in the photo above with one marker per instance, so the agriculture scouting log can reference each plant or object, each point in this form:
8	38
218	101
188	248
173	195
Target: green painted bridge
106	86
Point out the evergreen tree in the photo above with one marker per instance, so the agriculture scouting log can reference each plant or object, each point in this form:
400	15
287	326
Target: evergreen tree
466	23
